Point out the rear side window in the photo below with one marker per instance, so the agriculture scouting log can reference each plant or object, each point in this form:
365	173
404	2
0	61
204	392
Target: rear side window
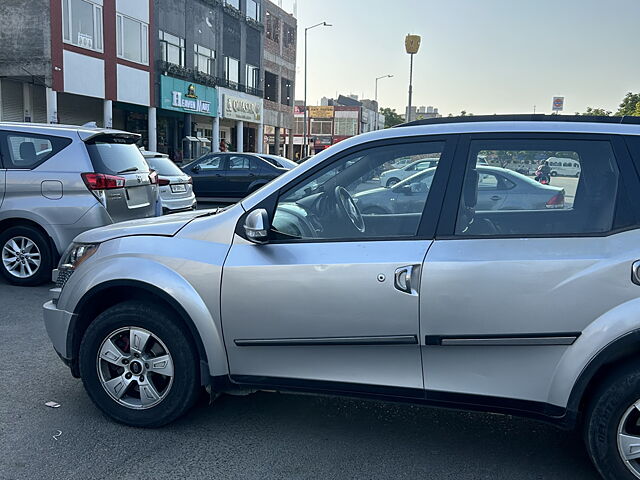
113	156
569	205
164	166
27	151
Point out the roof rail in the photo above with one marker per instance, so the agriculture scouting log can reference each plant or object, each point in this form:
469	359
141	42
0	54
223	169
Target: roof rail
524	118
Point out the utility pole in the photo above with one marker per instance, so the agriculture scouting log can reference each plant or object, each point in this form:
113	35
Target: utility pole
412	45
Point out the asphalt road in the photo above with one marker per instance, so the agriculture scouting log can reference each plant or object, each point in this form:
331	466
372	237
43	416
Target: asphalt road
261	436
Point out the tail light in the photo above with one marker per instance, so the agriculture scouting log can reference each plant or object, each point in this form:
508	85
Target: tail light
557	201
163	182
190	181
100	181
153	177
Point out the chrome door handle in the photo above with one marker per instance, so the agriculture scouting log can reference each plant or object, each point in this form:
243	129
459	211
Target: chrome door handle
402	279
635	272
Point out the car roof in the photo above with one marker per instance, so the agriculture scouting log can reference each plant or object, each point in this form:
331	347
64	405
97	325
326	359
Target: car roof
85	132
620	120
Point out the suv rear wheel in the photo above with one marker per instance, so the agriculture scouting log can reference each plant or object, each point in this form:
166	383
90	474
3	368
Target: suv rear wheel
612	428
26	256
139	366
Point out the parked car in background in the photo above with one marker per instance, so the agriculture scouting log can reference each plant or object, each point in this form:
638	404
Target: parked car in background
175	187
564	167
230	176
389	178
56	182
498	189
278	161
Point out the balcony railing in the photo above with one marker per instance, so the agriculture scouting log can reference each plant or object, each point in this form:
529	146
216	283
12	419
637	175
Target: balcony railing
174	70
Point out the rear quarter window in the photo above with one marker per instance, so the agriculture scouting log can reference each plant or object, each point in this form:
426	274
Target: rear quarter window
112	155
26	151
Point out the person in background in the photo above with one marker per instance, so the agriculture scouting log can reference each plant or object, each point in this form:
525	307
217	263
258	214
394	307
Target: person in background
223	145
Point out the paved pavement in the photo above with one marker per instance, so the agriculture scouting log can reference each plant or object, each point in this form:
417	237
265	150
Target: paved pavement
261	436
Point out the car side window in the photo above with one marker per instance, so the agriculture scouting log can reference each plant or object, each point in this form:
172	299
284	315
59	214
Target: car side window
238	162
211	163
254	164
346	201
538	203
27	151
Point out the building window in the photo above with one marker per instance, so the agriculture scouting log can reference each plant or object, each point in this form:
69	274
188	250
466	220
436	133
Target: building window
232	70
253	76
270	86
273	28
345	127
299	126
172	49
286	92
204	59
82	24
288	35
233	3
253	10
321	127
132	39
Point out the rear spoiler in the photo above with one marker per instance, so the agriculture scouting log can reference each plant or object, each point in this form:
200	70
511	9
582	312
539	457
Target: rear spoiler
105	135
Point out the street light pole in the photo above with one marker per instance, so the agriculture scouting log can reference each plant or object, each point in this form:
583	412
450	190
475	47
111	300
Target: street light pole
304	136
376	97
412	45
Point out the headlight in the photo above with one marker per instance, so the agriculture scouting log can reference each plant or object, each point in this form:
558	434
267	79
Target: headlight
76	254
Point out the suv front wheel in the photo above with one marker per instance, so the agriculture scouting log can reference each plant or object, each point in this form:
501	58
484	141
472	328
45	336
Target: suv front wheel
26	256
138	365
612	428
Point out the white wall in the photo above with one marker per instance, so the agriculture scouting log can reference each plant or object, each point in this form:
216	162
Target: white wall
133	85
83	75
138	9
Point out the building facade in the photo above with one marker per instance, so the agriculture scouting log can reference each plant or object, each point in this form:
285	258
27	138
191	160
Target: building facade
279	79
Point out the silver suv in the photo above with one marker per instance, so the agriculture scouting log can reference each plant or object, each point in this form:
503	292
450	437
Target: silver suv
531	312
58	181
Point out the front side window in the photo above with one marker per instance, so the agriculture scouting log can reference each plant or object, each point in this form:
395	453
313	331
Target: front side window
172	49
82	24
345	201
232	70
28	151
213	162
204	59
498	200
132	39
253	76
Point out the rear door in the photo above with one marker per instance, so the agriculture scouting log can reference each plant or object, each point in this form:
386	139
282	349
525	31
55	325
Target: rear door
506	292
118	155
242	171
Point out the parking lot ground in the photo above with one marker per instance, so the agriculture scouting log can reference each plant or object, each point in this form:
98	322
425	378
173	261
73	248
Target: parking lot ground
260	436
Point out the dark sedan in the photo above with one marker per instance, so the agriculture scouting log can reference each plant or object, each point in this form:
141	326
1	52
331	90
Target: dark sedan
498	189
230	176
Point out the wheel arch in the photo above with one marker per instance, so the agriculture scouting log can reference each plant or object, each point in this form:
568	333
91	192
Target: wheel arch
10	222
106	294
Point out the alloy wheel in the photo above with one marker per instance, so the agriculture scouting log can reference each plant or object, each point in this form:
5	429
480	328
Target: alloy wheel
21	257
135	368
629	438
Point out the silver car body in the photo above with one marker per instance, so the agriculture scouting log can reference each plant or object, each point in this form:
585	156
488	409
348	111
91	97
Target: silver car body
317	311
54	196
399	174
176	195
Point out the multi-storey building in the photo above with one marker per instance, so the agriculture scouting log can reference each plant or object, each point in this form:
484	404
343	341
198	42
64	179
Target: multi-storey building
279	78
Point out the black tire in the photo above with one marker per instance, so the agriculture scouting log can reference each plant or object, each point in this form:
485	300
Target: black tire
578	175
619	392
392	181
554	174
162	323
43	273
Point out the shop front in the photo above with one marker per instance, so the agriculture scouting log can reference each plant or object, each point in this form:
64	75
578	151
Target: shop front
187	118
241	121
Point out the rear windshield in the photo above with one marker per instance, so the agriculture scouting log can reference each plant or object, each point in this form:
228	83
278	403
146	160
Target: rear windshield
116	158
164	166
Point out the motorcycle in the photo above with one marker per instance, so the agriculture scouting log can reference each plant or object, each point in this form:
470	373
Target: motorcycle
543	178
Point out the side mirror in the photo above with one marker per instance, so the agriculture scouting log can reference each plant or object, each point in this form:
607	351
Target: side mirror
196	168
256	226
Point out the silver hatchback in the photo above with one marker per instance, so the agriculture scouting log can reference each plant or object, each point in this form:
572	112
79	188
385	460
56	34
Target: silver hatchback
58	181
531	311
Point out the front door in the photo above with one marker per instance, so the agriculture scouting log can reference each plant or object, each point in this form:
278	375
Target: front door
333	300
508	288
209	176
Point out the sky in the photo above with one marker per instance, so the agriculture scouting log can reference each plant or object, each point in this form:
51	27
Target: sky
482	56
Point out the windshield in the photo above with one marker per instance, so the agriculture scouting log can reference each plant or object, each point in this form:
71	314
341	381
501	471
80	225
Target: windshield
164	166
112	158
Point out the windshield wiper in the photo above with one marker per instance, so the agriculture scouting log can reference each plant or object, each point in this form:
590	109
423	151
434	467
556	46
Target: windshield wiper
128	170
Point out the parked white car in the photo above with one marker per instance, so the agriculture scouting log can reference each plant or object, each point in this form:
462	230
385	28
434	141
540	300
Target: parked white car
390	177
564	167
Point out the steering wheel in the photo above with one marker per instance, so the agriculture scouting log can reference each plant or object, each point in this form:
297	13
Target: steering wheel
347	207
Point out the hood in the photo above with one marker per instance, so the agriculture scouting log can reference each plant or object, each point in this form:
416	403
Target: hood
166	226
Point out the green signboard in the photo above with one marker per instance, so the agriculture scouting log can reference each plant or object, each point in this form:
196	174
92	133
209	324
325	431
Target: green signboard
188	97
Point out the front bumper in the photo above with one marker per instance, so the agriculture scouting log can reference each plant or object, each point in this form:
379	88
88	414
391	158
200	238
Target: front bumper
57	323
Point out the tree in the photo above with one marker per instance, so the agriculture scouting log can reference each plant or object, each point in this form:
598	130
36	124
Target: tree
596	112
629	105
391	118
